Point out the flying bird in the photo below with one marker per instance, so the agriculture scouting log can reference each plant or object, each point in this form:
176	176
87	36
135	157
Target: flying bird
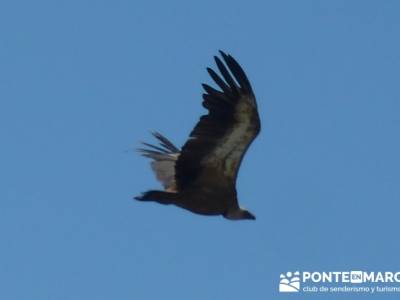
201	177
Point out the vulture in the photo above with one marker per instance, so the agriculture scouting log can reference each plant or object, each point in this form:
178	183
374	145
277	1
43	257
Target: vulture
201	176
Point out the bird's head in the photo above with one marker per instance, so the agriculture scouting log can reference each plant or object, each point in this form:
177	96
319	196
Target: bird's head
239	214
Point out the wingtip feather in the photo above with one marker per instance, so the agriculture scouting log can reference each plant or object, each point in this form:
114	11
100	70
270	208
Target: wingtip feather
221	52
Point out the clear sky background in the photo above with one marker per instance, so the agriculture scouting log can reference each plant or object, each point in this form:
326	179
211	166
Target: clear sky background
83	82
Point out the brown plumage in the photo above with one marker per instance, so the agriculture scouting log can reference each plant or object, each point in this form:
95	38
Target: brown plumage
201	177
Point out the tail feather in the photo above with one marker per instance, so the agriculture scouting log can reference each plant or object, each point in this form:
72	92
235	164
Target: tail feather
164	157
159	149
165	142
158	196
156	155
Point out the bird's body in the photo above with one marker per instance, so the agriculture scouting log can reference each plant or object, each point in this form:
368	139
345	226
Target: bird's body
201	177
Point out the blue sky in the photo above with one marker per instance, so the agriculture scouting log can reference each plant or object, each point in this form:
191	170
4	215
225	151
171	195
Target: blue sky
83	82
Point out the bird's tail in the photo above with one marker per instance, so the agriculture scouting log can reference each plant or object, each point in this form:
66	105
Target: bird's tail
163	158
159	196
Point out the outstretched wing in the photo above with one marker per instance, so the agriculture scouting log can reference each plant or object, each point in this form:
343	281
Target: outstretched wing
220	139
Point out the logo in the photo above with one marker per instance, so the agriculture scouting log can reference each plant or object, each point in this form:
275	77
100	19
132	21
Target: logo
371	282
356	276
290	282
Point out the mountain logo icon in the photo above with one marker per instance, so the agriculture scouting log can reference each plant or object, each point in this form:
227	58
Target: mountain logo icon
290	282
